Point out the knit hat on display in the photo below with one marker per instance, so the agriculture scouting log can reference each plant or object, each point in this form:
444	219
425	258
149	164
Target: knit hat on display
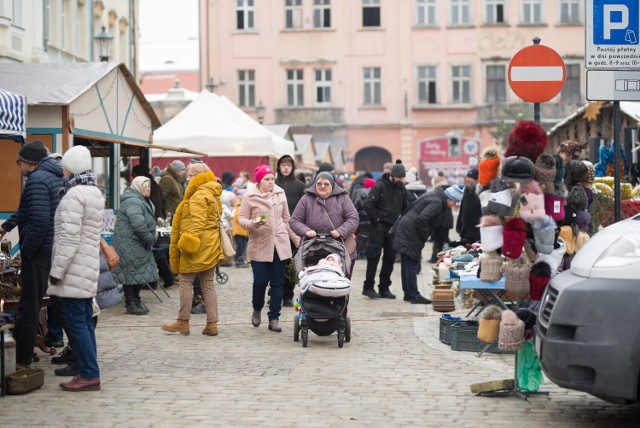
583	220
554	206
327	176
555	258
77	159
491	232
397	170
511	336
488	167
473	173
576	172
592	172
531	201
513	236
558	183
518	169
32	153
263	170
500	198
516	277
569	239
544	233
178	165
527	316
577	199
546	172
538	280
455	192
526	139
369	183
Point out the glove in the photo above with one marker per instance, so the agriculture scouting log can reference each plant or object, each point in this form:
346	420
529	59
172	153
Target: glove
54	280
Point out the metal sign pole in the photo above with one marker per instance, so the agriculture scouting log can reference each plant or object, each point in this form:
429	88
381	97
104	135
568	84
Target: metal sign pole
616	159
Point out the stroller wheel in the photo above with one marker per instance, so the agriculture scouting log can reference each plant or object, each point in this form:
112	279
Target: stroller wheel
347	329
296	329
221	277
340	339
305	333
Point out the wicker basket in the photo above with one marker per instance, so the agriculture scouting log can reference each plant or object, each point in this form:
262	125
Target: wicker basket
490	267
24	381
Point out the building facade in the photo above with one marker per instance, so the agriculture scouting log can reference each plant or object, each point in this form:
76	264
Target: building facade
424	81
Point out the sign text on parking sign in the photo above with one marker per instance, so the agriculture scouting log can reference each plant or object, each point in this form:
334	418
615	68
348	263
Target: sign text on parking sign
611	34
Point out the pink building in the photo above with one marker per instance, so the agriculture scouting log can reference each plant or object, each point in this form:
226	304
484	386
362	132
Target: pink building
424	81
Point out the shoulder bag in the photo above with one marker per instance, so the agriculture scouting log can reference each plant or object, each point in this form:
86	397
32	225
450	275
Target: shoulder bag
225	239
110	254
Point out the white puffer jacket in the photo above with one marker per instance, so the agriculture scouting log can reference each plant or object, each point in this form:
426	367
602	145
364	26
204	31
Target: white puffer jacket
76	245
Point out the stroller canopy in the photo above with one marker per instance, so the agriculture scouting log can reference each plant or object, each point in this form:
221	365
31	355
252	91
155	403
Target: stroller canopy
322	245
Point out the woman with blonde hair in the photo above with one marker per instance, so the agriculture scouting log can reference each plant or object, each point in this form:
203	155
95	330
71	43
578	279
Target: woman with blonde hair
195	246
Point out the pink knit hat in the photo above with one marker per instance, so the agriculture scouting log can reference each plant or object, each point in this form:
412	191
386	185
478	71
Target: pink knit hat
369	183
261	171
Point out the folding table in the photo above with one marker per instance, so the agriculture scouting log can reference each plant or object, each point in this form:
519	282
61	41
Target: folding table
489	292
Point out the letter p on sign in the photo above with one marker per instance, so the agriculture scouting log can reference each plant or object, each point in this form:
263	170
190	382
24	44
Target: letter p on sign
621	14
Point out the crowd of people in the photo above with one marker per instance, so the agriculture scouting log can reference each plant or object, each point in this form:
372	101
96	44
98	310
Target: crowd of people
60	219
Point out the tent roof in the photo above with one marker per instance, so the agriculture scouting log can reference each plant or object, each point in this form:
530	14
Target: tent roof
215	126
61	84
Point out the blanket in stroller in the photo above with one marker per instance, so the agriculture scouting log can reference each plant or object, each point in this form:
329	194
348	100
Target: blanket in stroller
326	278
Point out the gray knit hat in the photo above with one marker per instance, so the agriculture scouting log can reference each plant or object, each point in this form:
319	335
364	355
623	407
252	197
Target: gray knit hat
397	170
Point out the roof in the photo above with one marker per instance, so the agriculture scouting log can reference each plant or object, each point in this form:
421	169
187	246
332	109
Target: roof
63	83
629	108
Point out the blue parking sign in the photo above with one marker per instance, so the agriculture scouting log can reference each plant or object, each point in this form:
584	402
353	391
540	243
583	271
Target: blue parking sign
616	22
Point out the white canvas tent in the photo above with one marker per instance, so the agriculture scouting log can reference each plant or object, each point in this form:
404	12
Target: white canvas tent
213	125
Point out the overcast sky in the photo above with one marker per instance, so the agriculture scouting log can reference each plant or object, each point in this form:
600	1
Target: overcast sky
168	34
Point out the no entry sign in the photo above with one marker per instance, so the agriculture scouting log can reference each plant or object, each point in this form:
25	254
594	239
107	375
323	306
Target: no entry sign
536	73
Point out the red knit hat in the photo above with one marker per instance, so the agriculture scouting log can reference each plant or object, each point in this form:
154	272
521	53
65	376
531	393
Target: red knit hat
514	234
369	183
538	280
527	139
261	171
488	167
554	206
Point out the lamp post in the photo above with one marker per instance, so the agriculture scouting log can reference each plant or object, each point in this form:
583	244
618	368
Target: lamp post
103	40
211	85
260	110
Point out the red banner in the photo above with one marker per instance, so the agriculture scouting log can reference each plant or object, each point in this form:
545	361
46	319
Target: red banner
454	156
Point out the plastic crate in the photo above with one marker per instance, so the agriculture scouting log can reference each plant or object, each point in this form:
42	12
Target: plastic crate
446	321
464	338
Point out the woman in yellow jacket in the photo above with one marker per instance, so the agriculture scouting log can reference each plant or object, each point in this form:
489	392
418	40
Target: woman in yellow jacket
195	246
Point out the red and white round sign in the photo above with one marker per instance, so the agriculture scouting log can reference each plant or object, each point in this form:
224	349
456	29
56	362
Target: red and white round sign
537	73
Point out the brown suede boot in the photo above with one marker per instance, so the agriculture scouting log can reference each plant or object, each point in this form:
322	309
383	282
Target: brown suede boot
180	325
211	329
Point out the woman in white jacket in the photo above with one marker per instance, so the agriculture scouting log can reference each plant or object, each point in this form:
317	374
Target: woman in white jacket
75	264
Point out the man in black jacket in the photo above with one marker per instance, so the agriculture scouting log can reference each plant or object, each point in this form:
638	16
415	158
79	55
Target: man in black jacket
470	211
293	189
386	201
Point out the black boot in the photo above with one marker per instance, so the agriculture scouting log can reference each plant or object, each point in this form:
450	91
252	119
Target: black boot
141	309
69	370
65	357
386	294
129	298
130	306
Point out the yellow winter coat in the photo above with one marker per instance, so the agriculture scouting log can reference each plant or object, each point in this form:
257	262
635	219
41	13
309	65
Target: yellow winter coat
237	229
195	237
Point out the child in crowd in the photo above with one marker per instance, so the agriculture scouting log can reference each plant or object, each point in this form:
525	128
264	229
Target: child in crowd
240	235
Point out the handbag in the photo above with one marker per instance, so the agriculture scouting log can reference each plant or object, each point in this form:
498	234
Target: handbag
110	254
225	240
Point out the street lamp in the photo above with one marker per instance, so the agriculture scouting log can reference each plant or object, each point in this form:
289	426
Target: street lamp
211	85
260	110
103	40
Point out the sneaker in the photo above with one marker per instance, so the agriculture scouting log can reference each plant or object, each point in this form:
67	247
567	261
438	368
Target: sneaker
386	294
287	303
199	308
420	300
53	343
70	369
370	293
241	265
65	357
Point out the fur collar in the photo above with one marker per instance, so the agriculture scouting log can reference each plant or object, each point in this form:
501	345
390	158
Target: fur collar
199	180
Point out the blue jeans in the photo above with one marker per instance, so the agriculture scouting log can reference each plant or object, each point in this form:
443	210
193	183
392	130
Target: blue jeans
241	248
79	321
263	274
409	275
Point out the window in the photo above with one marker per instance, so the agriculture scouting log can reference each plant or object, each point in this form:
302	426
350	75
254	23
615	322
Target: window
427	84
321	13
323	86
244	14
295	88
496	84
569	11
246	88
461	79
571	89
293	13
426	12
494	10
532	11
17	18
372	86
460	12
370	13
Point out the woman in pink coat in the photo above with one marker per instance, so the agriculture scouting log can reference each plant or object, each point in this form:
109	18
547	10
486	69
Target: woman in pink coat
264	213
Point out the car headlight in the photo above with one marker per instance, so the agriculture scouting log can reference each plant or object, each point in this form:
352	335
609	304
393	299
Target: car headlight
623	252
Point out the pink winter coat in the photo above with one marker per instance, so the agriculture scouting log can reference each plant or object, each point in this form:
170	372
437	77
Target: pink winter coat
275	233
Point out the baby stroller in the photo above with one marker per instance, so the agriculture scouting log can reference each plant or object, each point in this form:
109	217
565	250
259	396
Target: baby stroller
324	290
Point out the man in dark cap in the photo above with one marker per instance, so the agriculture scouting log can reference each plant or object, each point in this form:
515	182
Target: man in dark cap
470	212
386	201
34	219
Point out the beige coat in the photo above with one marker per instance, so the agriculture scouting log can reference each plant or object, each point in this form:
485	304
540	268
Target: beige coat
275	233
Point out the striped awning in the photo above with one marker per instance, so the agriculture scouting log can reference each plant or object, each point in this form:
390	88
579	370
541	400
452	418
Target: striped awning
13	114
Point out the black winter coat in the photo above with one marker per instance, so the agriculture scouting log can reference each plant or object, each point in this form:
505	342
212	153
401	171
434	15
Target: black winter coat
416	225
386	201
469	216
293	188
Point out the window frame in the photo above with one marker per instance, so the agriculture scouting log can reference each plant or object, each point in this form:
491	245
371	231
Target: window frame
574	80
295	87
424	79
569	3
369	6
460	6
372	86
491	11
246	10
322	87
321	13
531	4
429	9
462	81
496	86
293	13
246	88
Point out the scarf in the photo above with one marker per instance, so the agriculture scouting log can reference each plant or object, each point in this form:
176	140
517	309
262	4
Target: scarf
85	178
